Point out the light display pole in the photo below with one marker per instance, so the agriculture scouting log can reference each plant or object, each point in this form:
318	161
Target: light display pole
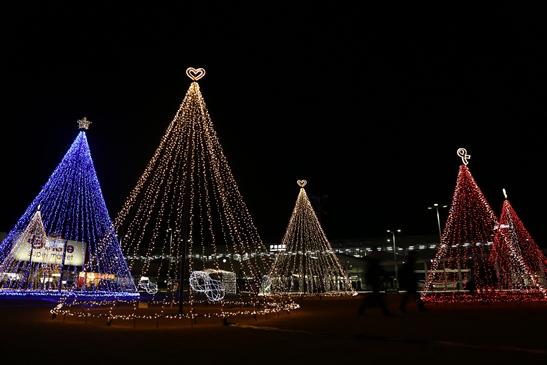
395	268
436	206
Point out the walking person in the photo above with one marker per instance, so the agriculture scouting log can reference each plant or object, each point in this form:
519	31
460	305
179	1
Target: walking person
408	282
374	278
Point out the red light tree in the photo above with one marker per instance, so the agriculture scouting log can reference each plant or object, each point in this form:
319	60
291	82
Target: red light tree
517	258
461	269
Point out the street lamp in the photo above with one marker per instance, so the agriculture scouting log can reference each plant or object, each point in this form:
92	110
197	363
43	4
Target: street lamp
395	281
436	206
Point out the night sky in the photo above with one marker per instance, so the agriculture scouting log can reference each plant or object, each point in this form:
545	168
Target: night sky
368	104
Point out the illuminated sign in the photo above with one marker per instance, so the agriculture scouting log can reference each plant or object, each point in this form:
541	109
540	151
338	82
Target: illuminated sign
93	278
278	248
50	251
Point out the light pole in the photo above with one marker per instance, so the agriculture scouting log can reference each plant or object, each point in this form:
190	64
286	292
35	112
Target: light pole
436	206
395	281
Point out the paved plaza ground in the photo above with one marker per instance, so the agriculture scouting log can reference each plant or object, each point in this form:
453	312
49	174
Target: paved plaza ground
325	330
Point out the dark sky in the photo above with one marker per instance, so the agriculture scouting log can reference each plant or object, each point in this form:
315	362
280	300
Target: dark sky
368	104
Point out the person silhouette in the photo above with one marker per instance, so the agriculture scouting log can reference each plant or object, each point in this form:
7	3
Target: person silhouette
408	282
374	275
470	285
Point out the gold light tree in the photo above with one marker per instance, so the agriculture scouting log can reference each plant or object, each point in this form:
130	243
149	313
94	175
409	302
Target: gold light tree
309	264
188	236
35	269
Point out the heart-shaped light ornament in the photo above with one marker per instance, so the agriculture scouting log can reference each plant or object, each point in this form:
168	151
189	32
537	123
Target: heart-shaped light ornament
195	73
301	183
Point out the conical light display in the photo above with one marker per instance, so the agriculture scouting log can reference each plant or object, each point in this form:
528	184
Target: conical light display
308	264
519	263
461	270
57	246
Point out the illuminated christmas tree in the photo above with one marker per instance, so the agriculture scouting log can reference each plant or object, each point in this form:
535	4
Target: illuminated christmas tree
461	270
308	264
188	236
57	245
518	260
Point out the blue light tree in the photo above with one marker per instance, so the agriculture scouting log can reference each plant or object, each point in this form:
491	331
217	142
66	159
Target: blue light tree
64	242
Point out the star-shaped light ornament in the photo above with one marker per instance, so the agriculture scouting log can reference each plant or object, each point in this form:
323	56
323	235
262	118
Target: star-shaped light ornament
84	123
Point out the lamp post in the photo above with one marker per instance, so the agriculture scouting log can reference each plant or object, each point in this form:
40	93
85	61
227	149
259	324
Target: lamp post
436	206
395	281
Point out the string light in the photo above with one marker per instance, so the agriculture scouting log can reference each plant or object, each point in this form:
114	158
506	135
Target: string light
84	123
147	285
56	247
462	153
185	217
309	265
195	74
201	282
